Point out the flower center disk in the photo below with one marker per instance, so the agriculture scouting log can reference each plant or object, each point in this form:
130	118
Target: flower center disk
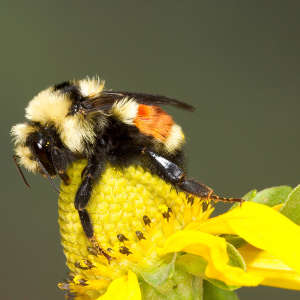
132	212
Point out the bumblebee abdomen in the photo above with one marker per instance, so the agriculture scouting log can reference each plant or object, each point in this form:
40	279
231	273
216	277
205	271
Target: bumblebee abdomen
151	121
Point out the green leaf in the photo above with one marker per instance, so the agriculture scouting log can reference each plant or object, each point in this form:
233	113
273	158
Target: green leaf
291	207
192	264
211	292
235	260
270	196
159	274
185	287
149	293
182	286
169	282
234	240
250	195
273	196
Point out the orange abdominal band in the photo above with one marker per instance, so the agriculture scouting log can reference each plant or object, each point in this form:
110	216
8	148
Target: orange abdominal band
153	121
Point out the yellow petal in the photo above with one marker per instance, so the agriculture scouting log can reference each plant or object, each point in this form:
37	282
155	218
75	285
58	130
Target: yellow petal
274	271
262	227
123	288
214	250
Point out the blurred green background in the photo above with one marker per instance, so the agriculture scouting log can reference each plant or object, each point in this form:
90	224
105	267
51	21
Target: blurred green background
237	61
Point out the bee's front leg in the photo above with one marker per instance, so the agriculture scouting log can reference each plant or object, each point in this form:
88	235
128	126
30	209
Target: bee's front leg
60	163
92	173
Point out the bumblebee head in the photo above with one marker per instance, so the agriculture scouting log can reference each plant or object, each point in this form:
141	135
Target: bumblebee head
33	146
56	108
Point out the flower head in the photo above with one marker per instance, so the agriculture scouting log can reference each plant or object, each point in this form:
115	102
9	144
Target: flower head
163	243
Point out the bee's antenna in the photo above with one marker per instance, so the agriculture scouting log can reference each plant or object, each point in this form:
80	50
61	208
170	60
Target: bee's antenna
20	171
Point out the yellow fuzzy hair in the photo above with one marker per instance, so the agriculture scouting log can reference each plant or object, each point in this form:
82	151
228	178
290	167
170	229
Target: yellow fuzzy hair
125	110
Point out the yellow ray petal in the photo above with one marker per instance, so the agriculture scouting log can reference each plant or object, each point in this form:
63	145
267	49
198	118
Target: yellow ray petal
123	288
262	227
274	271
214	250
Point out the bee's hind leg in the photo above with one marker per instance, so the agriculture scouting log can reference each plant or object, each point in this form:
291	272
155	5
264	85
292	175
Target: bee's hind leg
171	172
203	191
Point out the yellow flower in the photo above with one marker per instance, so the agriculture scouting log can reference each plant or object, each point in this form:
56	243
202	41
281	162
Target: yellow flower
163	243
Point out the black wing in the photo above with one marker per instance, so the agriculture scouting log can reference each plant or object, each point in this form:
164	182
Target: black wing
107	98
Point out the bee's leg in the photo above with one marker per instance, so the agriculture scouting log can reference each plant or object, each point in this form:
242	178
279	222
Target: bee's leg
171	172
89	232
60	163
92	173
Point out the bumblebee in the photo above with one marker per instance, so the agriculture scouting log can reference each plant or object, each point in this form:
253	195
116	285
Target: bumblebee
80	119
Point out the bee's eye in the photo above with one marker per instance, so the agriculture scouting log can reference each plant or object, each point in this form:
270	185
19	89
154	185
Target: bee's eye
42	143
43	153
